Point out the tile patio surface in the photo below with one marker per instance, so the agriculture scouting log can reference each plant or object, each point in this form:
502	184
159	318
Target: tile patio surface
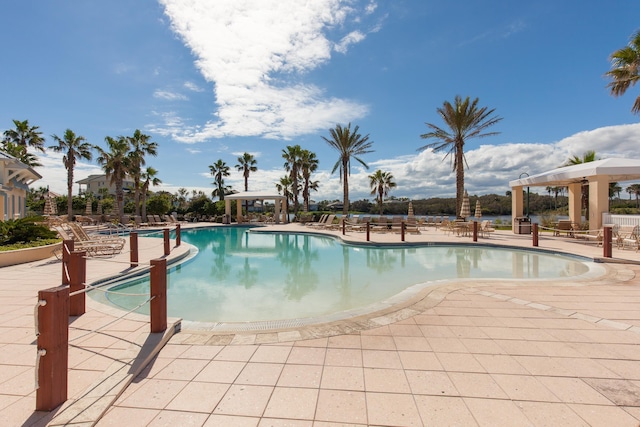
463	353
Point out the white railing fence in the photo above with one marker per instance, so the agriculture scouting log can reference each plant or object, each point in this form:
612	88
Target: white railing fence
621	220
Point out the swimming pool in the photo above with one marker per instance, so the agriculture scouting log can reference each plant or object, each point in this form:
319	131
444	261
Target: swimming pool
240	275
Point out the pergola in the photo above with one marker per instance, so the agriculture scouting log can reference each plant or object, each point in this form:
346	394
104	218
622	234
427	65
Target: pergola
254	195
596	174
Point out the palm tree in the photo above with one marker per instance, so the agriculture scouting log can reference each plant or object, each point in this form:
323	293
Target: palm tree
17	141
625	72
465	121
219	170
25	136
614	188
19	153
140	147
381	183
349	144
246	164
634	189
149	178
284	187
308	165
587	156
293	158
116	164
74	147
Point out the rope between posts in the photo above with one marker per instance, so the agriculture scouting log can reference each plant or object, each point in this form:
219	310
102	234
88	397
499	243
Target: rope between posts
111	322
108	291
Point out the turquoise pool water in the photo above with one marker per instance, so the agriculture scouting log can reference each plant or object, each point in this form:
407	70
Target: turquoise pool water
240	275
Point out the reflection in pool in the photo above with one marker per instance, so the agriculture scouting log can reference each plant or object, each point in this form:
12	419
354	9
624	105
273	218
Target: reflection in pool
239	275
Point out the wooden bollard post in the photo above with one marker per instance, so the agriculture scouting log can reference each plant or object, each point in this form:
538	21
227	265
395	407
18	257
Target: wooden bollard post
475	231
344	227
158	309
368	229
178	237
534	231
167	243
53	347
402	231
67	248
133	246
77	280
607	237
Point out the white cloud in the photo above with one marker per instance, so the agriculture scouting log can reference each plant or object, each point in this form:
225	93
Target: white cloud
252	50
418	176
351	38
170	96
193	87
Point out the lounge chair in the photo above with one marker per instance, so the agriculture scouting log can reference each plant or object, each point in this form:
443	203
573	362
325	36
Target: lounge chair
412	226
486	228
99	247
328	222
321	221
632	240
380	224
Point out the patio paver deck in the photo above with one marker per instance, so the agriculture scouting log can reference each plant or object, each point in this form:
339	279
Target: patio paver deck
486	353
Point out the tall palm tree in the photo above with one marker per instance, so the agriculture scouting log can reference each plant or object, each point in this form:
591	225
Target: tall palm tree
116	164
219	170
308	165
465	121
381	183
25	136
625	69
17	142
349	144
634	189
614	188
293	158
20	153
141	146
284	187
149	177
246	164
75	147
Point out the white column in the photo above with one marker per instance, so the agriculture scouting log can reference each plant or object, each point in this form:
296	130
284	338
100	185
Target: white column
276	213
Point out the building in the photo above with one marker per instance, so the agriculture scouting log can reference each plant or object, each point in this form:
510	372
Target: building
93	184
15	178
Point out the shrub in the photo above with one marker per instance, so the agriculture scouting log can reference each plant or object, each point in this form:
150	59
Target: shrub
24	230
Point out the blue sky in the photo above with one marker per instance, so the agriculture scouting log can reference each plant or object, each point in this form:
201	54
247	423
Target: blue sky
210	80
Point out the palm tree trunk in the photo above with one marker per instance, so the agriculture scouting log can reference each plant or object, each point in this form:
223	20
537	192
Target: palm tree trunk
459	180
345	188
69	194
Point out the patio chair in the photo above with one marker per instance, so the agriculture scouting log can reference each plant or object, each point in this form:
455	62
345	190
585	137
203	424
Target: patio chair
632	240
322	220
412	226
564	226
99	247
380	224
486	228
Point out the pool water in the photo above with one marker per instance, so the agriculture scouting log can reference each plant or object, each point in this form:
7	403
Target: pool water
240	275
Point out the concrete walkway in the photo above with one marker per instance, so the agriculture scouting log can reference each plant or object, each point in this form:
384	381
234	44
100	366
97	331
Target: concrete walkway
464	353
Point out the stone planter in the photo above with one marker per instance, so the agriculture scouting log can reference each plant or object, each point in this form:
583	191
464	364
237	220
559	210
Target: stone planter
21	256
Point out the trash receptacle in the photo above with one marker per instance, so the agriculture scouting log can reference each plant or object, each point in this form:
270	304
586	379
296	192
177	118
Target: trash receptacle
226	219
522	225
